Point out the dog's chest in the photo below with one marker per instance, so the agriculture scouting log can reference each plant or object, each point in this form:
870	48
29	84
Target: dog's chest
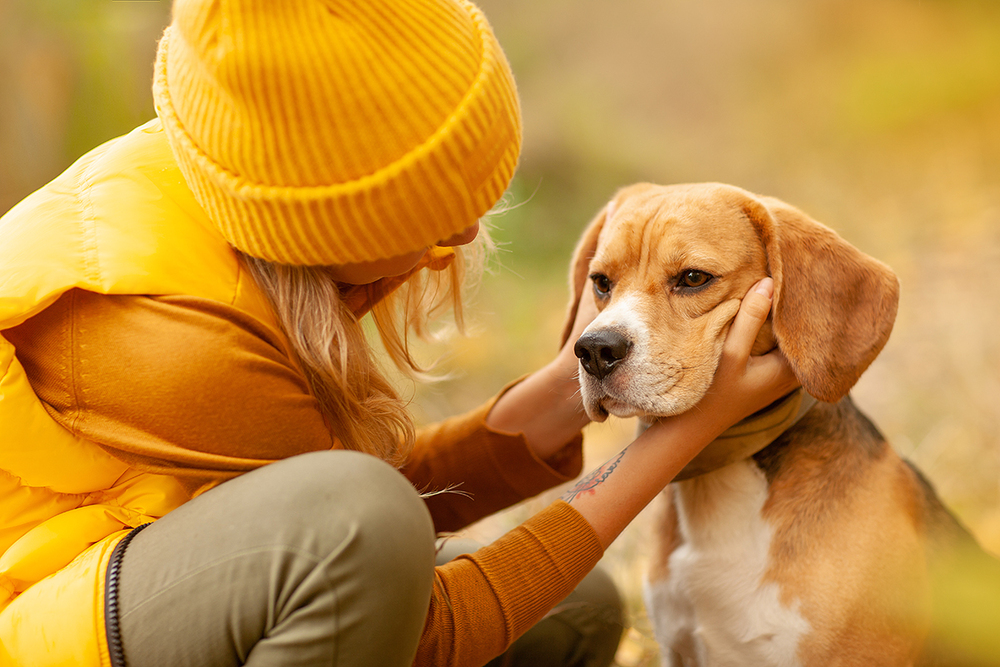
715	609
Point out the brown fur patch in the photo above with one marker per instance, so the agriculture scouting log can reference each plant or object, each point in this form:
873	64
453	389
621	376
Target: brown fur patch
847	546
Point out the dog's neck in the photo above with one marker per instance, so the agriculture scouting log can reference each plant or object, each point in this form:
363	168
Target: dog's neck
749	436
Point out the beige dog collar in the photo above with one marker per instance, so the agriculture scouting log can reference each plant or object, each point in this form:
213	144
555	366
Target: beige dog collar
750	435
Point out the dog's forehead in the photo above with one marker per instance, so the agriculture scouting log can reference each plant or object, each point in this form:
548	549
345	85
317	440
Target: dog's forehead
664	226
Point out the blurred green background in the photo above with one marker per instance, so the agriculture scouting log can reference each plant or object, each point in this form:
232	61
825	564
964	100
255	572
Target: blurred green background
880	118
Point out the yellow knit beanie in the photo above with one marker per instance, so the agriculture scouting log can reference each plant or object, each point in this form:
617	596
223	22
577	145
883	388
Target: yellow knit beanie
337	131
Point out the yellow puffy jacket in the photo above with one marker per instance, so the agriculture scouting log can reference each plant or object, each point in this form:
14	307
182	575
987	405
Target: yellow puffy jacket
119	221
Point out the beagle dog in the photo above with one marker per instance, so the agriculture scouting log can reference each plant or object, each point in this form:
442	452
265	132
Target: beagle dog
799	537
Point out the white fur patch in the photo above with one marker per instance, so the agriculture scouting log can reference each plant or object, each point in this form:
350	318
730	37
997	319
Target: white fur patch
621	393
715	610
624	316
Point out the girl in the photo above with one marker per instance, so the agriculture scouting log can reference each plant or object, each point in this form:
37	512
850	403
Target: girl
200	463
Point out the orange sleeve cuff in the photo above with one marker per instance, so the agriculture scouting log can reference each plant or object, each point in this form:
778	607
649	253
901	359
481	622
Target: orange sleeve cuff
484	601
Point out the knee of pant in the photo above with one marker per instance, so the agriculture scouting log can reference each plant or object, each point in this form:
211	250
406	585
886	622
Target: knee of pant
354	491
386	555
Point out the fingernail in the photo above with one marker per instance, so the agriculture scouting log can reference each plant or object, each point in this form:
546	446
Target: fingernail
765	287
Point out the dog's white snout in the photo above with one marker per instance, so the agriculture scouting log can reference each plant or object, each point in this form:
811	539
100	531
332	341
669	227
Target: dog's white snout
601	351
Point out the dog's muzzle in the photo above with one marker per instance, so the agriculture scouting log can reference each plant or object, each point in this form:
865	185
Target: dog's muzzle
600	352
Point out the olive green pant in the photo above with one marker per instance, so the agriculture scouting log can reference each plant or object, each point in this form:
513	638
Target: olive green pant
322	559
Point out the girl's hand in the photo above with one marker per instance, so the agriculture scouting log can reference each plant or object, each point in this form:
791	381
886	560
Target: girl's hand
743	384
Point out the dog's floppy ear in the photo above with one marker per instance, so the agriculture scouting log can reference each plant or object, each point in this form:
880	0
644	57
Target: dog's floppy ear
579	268
834	306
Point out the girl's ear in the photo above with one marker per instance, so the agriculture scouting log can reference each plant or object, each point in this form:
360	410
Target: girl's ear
579	270
834	306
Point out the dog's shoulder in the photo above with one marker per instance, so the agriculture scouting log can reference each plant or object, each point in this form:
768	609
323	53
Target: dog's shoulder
828	428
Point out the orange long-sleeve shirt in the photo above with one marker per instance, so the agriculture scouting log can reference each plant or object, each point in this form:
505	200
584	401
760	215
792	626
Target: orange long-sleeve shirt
193	388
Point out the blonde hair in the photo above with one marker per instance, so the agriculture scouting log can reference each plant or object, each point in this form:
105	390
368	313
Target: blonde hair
362	408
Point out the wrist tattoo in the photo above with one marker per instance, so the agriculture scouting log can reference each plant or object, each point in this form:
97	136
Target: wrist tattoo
589	484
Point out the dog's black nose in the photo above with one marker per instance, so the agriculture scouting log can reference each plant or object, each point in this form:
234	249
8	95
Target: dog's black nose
601	351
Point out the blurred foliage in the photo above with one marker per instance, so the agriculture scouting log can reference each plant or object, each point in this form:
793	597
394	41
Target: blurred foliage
881	118
73	74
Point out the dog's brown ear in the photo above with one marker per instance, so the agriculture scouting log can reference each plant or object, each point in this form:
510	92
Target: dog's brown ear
834	306
579	268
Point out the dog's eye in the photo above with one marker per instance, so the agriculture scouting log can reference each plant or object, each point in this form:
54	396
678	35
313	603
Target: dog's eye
602	284
693	278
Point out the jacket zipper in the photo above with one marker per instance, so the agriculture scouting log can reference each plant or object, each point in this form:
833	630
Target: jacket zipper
111	598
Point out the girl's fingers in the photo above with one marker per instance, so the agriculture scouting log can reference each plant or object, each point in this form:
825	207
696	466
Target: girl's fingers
749	319
773	374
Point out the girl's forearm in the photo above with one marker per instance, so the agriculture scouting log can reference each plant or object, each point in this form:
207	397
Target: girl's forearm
611	496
